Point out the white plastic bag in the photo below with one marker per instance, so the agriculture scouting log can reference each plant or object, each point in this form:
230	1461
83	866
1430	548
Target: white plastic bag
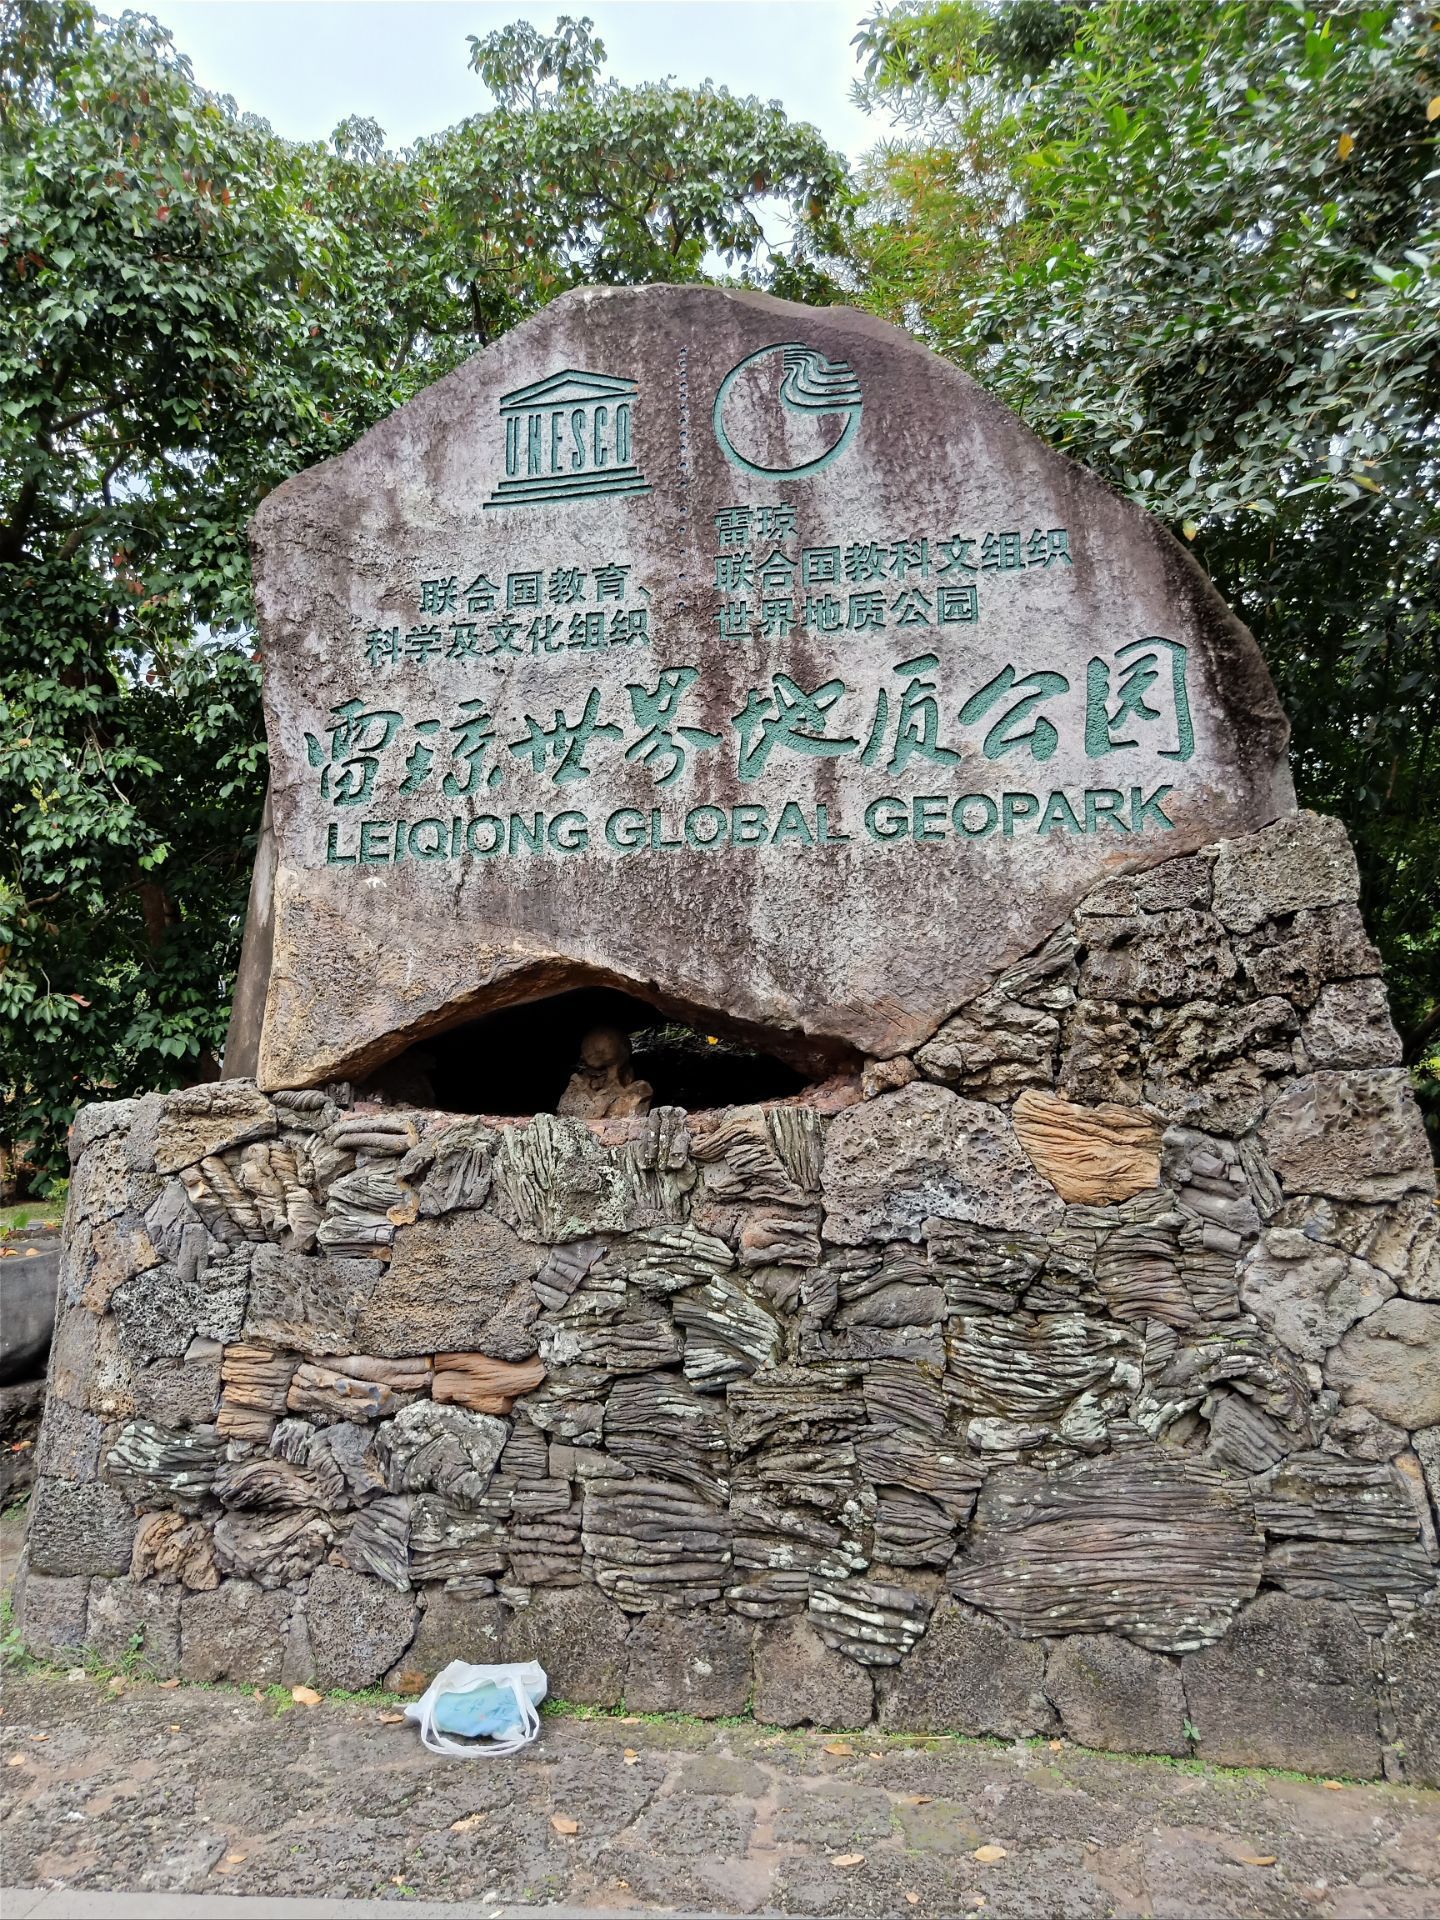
495	1707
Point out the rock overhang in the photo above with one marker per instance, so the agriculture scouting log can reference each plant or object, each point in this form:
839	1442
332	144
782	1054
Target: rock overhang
826	714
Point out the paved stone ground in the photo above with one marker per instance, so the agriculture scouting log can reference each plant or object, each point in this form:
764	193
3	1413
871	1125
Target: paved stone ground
198	1789
121	1785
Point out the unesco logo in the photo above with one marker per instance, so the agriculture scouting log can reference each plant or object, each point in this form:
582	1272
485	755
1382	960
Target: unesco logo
786	412
570	436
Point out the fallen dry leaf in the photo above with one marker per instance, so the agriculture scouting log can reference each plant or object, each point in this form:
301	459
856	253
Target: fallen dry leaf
912	1899
1055	1746
392	1719
117	1685
39	1736
174	1726
919	1799
1256	1859
562	1823
977	1900
848	1860
17	1760
306	1696
1333	1786
468	1824
257	1693
169	1686
839	1746
989	1854
234	1859
631	1756
629	1719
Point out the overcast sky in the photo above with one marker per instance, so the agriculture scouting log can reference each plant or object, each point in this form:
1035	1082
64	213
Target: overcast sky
306	64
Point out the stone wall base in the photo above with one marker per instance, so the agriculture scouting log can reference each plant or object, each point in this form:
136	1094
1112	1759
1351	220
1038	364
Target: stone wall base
1079	1374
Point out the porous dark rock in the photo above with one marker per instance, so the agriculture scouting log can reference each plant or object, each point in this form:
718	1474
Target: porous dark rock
1291	1685
236	1632
123	1620
925	1153
1388	1363
580	1638
452	1626
799	1681
1349	1135
358	1627
79	1527
1410	1698
967	1675
51	1611
1301	861
447	1281
1116	1696
695	1662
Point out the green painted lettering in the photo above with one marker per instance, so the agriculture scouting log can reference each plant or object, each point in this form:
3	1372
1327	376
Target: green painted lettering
749	826
569	832
822	824
526	834
1141	809
333	855
600	451
886	818
657	838
374	842
1108	801
1017	806
497	832
928	811
989	814
693	835
1059	813
427	840
577	434
792	825
625	829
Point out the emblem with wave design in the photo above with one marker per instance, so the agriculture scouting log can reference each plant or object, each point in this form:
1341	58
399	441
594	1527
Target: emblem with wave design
817	417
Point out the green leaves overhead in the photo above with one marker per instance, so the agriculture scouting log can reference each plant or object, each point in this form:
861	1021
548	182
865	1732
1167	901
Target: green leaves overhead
194	309
1196	245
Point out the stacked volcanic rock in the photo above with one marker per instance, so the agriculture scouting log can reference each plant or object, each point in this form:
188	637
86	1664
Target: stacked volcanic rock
1079	1371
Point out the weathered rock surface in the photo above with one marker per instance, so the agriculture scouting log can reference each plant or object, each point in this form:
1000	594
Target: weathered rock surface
1410	1699
1390	1363
1301	862
448	1280
1351	1136
1293	1684
924	1153
690	375
79	1527
580	1638
832	1396
695	1662
237	1632
1090	1155
799	1681
1116	1696
358	1628
453	1626
967	1675
1141	1541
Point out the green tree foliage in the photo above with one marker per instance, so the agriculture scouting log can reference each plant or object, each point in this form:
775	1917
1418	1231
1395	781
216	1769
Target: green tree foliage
1195	244
194	309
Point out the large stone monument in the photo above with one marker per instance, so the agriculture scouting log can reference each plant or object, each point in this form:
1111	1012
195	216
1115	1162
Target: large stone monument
1066	1356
